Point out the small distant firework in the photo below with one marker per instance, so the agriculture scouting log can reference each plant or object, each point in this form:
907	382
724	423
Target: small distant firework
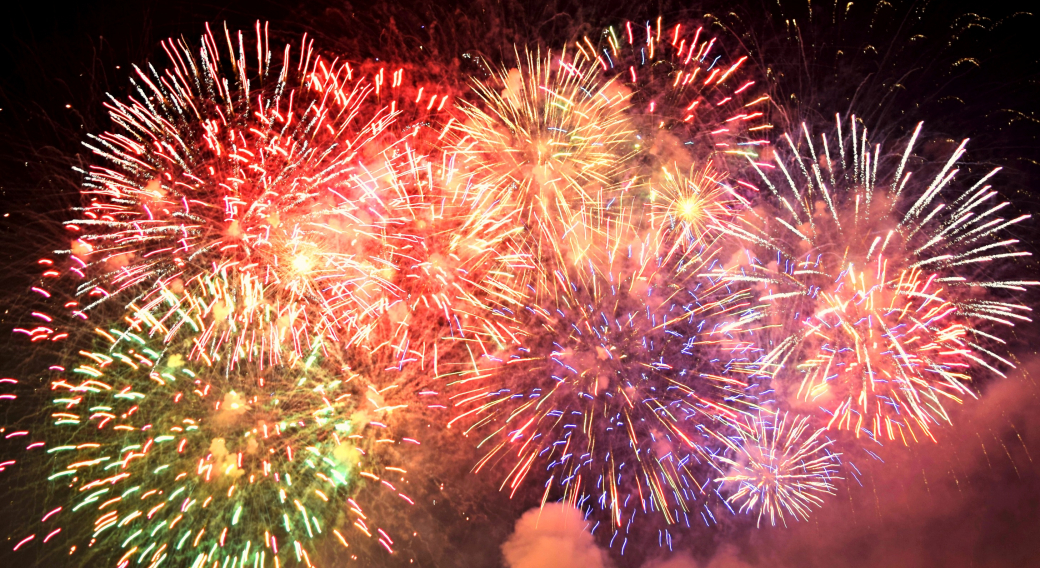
691	207
883	291
616	385
227	160
776	465
551	138
160	453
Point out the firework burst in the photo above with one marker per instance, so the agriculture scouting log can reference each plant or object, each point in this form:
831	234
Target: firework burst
162	448
551	138
228	160
884	290
691	207
596	263
776	465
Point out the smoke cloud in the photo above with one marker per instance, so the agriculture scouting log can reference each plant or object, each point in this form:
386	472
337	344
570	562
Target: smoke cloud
557	536
944	504
554	536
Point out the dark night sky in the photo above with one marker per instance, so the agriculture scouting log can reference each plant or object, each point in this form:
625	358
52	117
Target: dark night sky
973	500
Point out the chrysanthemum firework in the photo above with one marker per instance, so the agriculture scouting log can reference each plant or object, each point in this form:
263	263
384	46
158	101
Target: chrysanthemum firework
886	293
775	465
607	392
691	207
157	448
240	159
550	137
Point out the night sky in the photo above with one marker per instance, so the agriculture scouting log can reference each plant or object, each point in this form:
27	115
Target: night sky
968	70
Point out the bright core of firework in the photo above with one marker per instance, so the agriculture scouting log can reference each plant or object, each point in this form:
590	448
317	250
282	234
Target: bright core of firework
692	206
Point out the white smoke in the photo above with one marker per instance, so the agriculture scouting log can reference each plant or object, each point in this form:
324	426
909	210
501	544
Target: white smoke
553	536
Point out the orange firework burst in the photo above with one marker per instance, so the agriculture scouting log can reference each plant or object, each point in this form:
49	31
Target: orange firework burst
551	138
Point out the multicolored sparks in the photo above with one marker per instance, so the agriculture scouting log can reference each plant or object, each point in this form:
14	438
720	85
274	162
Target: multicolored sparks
611	390
182	459
600	265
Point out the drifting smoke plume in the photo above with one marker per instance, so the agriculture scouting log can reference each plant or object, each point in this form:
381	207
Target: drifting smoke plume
554	536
